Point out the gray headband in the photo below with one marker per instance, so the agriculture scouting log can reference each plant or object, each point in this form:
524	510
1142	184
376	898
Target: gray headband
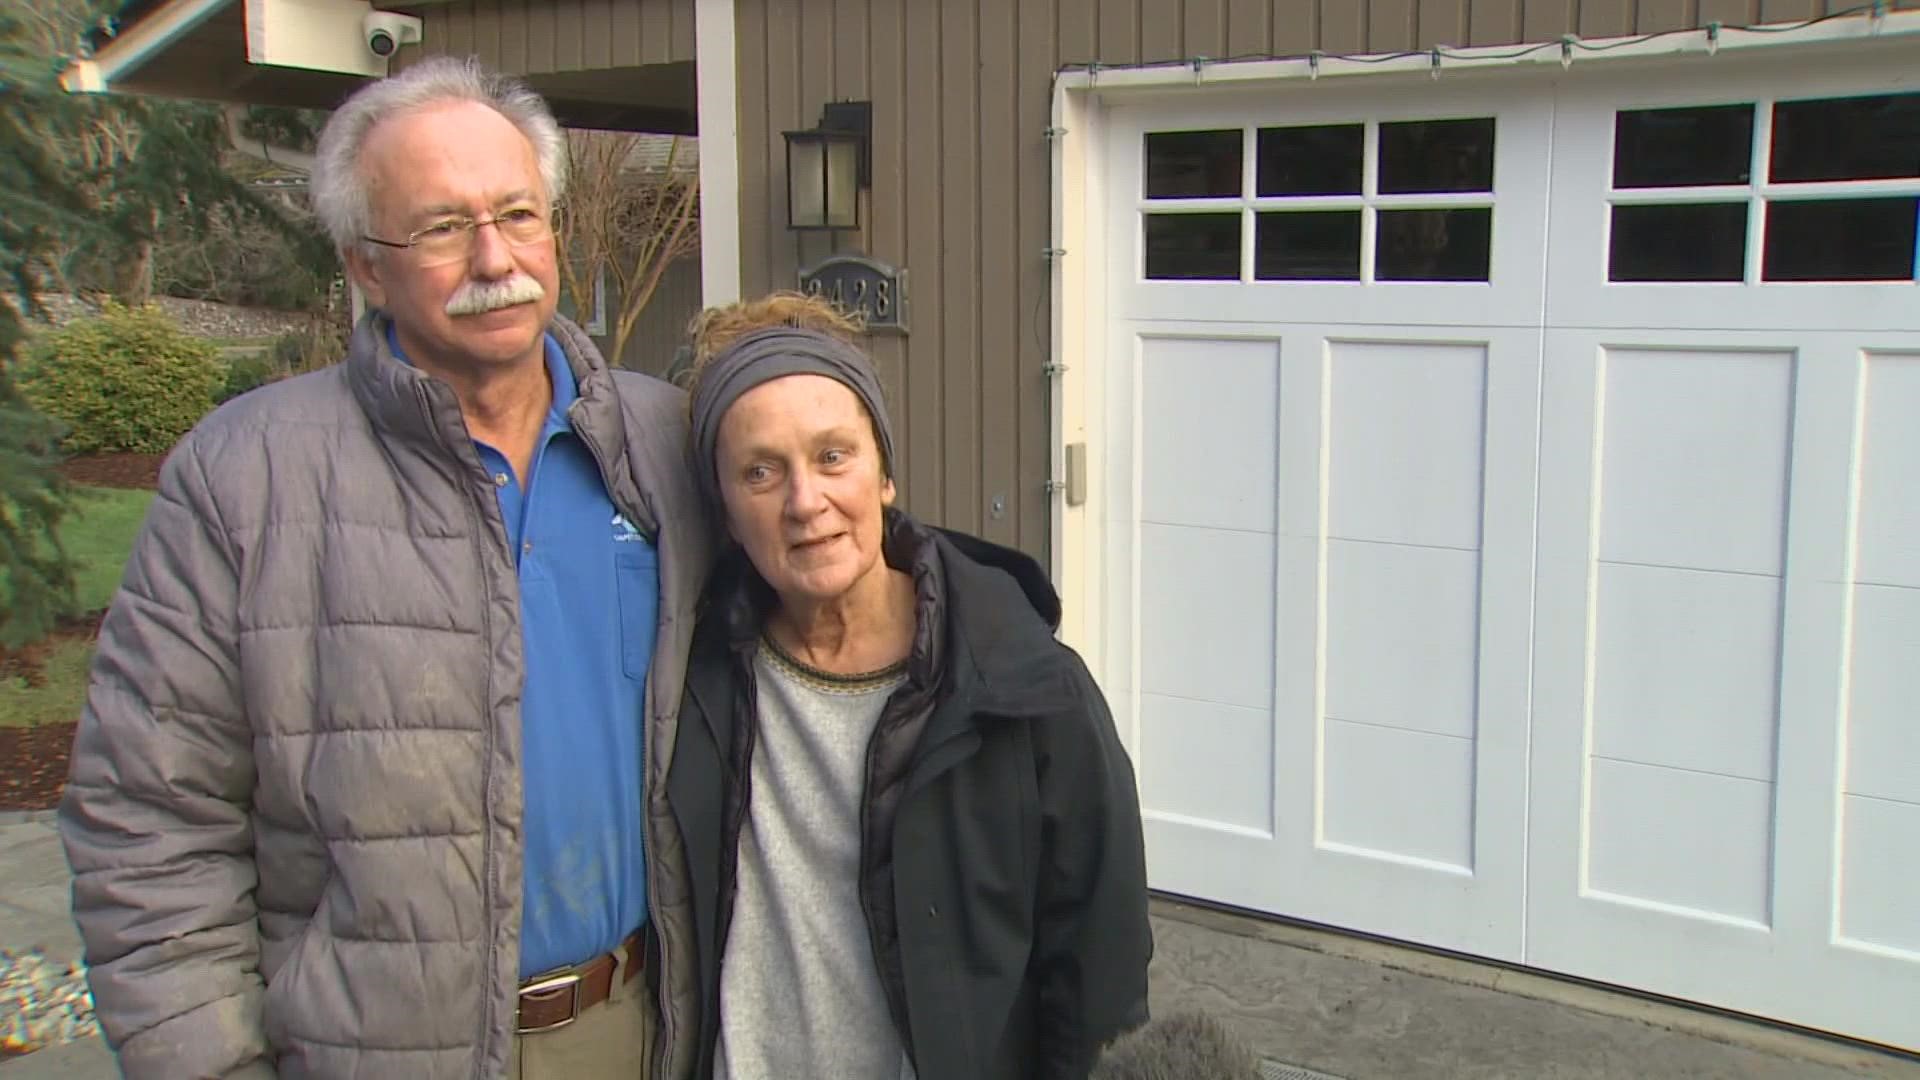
763	356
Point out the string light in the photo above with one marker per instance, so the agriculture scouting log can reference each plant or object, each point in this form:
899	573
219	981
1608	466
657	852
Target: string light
1568	44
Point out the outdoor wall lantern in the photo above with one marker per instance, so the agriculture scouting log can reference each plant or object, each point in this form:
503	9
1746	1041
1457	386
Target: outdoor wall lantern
828	165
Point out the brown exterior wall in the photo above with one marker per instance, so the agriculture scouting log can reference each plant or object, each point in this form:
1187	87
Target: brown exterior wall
961	93
540	37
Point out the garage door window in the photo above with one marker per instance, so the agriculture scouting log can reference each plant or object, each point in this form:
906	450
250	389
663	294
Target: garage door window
1790	191
1396	201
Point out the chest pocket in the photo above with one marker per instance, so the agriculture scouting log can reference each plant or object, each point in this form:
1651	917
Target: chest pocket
636	573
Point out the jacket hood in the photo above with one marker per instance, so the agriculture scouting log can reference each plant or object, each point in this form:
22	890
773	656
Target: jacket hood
1021	567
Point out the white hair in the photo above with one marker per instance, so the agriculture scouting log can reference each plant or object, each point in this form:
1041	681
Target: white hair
339	188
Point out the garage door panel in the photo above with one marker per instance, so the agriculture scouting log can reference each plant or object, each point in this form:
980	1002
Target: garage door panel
1407	436
1698	843
1693	457
1654	732
1206	614
1402	638
1883	737
1686	669
1206	764
1767	250
1209	417
1390	792
1279	251
1889	462
1880	891
1393	780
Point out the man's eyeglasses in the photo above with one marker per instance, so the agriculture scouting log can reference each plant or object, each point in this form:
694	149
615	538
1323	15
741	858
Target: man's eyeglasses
452	240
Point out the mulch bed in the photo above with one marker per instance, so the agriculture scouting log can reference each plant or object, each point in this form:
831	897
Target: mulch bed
114	470
33	760
25	662
33	765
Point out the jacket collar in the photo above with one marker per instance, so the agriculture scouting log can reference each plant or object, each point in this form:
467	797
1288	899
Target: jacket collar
409	406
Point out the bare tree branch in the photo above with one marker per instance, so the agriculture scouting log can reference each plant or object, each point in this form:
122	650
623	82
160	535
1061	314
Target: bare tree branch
627	219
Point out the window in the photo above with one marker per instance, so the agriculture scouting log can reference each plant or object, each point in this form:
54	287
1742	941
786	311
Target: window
1193	164
1193	247
1790	191
1395	201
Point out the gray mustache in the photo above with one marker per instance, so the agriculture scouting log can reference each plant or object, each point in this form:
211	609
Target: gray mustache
480	297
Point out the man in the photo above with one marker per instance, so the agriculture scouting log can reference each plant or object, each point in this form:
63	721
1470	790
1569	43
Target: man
361	786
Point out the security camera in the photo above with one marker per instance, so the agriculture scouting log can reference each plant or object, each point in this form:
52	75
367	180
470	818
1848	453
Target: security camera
385	31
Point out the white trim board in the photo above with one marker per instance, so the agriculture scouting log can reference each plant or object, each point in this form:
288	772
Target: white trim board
715	60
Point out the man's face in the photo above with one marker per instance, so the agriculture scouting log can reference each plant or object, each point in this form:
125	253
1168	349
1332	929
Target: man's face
804	486
446	161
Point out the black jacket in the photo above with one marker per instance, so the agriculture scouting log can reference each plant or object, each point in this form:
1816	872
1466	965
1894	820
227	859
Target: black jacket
1003	878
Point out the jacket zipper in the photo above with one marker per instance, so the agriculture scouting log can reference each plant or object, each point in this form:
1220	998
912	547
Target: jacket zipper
656	1067
480	517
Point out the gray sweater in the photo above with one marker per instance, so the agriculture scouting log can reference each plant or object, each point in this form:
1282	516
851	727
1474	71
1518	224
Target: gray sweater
799	993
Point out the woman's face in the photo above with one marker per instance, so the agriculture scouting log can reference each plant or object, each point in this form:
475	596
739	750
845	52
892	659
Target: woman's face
804	486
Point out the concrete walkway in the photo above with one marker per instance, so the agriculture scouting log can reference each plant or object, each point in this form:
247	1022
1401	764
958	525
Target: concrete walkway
1320	1002
1362	1010
34	914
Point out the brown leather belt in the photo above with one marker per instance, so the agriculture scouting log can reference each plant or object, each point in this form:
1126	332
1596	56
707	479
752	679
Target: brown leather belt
557	998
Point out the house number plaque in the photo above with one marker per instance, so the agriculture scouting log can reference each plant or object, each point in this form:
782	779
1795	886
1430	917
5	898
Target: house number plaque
872	289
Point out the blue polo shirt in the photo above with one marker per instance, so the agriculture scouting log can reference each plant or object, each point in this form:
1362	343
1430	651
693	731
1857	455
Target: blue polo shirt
589	590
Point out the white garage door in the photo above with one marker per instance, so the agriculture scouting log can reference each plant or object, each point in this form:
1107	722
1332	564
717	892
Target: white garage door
1507	532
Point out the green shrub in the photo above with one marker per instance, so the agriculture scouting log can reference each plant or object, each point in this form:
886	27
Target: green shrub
246	372
128	379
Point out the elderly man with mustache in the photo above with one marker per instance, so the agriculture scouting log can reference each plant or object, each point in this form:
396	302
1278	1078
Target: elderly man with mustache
362	788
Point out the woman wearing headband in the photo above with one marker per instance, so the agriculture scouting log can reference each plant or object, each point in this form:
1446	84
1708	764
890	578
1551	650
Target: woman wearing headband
911	830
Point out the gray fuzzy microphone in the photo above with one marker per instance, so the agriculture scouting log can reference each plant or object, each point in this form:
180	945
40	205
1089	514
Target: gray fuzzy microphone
1187	1046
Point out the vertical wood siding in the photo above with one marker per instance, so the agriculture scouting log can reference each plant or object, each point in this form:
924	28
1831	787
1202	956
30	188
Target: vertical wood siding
961	93
544	37
662	325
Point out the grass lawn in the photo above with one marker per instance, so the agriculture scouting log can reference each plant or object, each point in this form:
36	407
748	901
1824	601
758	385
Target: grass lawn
59	698
98	535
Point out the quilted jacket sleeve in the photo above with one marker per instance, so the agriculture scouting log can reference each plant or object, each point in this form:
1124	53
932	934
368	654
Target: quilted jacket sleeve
1093	941
156	814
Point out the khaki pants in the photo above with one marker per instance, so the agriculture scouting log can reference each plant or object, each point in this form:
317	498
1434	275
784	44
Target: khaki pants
611	1041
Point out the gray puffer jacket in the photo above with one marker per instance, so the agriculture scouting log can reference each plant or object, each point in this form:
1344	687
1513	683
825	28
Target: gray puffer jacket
294	812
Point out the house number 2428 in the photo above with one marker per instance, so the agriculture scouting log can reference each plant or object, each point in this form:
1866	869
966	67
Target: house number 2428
875	291
873	299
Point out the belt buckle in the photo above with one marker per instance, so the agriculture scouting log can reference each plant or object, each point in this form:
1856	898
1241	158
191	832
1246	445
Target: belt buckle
544	984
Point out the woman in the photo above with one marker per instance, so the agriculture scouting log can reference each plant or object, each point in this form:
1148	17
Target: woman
911	829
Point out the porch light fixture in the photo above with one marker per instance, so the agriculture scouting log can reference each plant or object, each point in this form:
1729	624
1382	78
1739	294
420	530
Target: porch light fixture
828	165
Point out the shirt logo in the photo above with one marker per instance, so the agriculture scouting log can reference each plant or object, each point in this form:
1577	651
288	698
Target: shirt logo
624	532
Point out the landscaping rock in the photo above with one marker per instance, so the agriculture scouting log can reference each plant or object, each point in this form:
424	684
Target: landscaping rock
200	318
42	1003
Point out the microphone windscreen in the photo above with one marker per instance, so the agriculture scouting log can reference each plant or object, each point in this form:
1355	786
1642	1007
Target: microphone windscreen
1187	1046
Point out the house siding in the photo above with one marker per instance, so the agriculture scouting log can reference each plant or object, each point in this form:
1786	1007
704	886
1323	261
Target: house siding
662	325
548	37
